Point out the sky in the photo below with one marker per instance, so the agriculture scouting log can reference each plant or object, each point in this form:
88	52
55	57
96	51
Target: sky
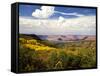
56	20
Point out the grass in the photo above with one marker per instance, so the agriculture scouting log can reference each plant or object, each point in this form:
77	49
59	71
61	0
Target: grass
37	55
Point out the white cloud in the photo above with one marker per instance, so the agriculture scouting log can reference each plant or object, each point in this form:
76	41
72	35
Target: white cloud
61	19
43	12
74	13
84	25
47	11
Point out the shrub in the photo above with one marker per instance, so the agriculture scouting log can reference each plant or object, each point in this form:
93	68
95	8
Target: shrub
59	65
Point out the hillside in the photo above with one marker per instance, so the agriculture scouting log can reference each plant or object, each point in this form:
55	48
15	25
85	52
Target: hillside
35	54
29	36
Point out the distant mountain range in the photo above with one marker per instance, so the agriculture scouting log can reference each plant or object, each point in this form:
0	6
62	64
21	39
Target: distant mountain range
67	37
59	37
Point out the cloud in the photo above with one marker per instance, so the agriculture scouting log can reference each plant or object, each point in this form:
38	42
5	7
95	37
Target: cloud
74	13
61	19
43	12
84	25
47	11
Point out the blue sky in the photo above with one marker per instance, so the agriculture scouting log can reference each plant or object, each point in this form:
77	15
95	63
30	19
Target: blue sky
43	20
26	11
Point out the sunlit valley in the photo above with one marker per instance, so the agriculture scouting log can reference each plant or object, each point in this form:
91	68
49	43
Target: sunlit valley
38	53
